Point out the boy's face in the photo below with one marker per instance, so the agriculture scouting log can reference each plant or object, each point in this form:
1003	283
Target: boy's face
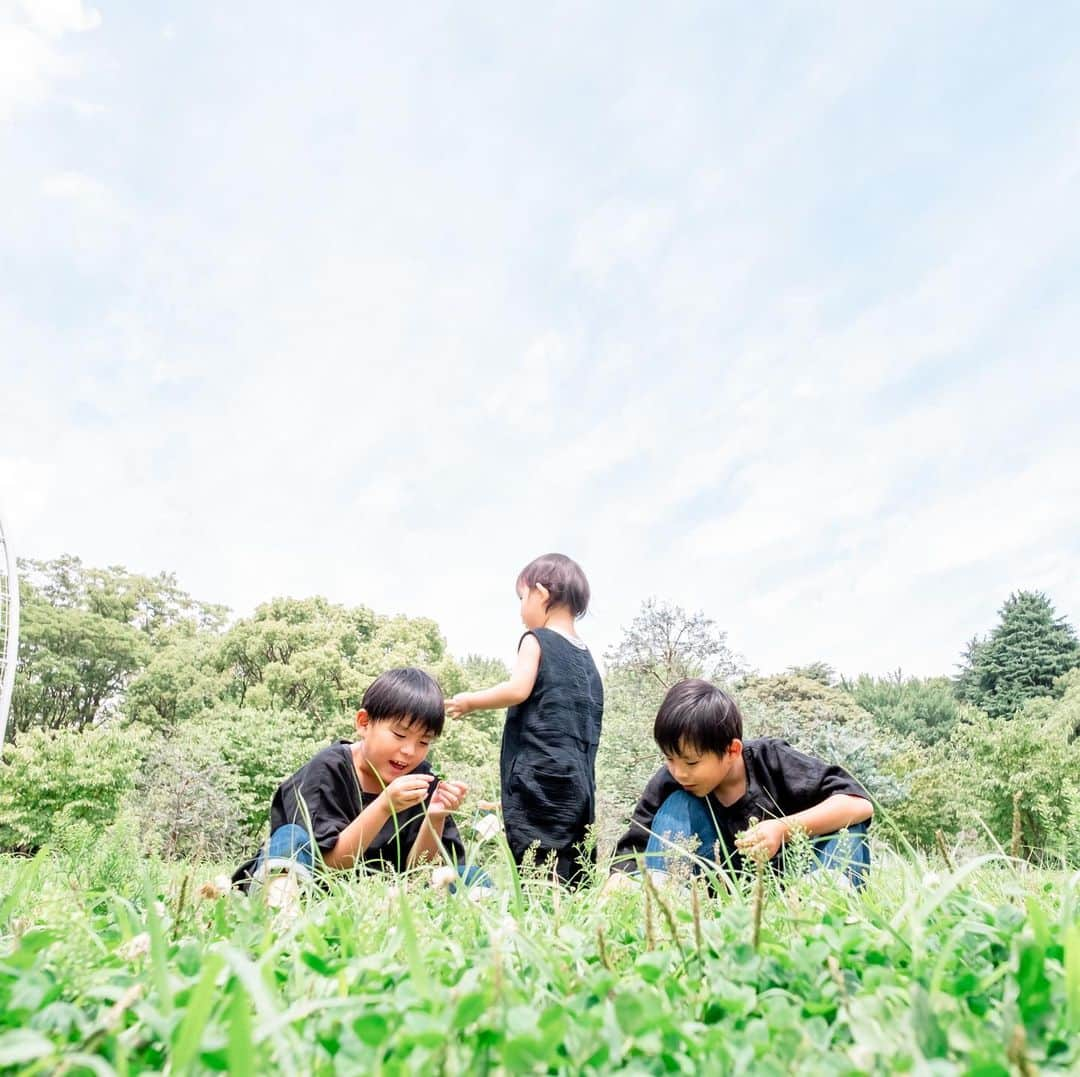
393	746
698	772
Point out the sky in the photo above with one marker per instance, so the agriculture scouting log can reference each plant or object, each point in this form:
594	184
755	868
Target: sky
769	311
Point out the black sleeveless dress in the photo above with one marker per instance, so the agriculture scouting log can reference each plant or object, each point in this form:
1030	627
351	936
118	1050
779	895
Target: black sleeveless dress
547	765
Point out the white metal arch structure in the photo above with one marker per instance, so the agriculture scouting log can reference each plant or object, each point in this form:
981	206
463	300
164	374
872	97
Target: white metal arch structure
9	628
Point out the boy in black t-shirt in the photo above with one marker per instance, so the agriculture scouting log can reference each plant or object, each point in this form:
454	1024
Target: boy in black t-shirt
714	787
373	801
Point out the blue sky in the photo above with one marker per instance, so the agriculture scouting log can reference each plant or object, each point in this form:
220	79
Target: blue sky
768	312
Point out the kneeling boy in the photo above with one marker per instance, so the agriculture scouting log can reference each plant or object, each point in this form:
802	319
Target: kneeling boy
373	801
714	785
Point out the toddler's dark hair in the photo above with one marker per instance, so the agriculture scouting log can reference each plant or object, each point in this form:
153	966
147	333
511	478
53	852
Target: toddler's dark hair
565	582
699	716
409	694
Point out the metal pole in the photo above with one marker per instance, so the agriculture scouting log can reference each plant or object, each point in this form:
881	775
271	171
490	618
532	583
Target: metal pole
10	617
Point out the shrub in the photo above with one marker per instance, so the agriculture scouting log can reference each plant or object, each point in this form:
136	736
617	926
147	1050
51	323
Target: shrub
824	721
927	710
49	780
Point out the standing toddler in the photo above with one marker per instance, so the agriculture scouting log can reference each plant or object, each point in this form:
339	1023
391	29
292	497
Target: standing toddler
555	701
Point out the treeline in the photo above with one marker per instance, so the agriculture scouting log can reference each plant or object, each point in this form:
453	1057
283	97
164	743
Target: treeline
137	705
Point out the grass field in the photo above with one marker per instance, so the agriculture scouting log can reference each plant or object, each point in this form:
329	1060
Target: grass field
110	964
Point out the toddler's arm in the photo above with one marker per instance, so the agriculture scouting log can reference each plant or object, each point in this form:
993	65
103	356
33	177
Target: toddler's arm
506	694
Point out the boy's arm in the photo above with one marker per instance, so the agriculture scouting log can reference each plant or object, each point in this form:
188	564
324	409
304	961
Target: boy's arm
401	793
516	690
449	796
834	813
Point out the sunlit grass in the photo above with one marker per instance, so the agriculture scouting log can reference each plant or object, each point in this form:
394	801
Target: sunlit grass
114	965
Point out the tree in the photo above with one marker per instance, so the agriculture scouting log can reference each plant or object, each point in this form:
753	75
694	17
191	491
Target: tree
824	721
815	671
313	656
86	632
924	709
298	654
668	645
73	665
148	603
182	679
1020	659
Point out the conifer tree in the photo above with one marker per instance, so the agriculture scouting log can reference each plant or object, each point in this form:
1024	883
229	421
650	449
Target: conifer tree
1021	657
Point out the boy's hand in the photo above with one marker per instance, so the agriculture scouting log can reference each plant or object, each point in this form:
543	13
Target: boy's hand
763	840
449	796
408	790
458	706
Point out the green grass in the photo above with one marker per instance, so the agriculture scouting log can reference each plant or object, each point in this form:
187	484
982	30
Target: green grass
113	965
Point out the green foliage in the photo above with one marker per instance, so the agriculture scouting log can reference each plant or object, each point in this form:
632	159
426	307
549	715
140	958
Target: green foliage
821	672
1021	658
181	680
73	665
991	776
1032	762
147	603
85	632
245	753
186	803
49	780
824	721
976	972
923	710
298	654
313	656
628	756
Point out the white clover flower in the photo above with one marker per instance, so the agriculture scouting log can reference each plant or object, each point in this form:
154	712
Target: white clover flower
487	826
136	947
442	878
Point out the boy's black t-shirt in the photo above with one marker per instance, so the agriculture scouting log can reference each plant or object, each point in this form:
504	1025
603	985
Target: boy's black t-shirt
324	796
780	780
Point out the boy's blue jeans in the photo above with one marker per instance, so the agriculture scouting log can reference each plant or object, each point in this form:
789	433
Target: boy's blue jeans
290	849
683	816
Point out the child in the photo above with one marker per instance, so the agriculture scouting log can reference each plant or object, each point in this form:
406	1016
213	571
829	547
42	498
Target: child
714	786
374	801
556	702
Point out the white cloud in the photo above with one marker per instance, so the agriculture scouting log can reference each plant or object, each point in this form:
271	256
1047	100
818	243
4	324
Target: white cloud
394	323
31	58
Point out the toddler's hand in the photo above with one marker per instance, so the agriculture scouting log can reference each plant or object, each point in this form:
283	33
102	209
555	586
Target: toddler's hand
408	790
763	840
449	796
458	706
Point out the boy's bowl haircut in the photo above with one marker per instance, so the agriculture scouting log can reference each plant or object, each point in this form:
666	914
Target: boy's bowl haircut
696	714
409	694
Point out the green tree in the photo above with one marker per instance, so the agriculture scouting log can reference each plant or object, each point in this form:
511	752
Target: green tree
181	679
313	656
86	632
298	654
925	710
1021	658
815	671
73	665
